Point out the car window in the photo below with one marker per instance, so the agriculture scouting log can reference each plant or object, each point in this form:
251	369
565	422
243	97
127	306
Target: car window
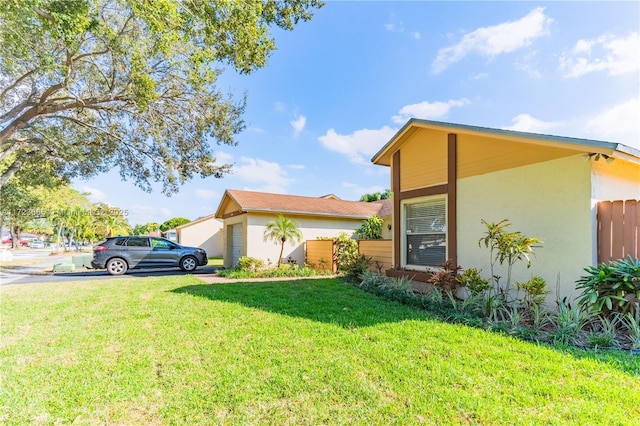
158	243
138	242
120	241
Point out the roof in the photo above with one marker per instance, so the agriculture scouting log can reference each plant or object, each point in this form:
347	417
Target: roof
263	202
196	221
585	145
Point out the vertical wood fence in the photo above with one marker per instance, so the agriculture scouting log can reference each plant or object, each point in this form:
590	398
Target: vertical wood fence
321	254
618	230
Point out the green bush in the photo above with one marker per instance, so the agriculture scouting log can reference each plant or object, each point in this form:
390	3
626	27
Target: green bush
371	229
249	264
472	280
612	287
346	252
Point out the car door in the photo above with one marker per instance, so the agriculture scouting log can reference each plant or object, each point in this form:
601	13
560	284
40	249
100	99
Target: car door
164	252
138	251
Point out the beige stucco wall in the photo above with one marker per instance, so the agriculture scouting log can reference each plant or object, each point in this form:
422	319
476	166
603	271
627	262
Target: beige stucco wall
206	234
550	201
311	228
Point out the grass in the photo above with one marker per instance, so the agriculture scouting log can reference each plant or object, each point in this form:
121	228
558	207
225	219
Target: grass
176	351
215	261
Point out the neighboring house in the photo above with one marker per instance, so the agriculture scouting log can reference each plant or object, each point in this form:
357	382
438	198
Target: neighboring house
447	177
204	232
246	214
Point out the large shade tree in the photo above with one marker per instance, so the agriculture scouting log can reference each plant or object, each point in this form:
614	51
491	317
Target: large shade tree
89	85
280	231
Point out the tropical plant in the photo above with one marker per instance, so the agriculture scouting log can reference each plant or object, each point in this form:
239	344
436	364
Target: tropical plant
535	290
445	278
506	247
631	321
610	287
472	280
89	85
603	332
282	230
568	324
371	229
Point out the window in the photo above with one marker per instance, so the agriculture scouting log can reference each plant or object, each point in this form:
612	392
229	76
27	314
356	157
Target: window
138	242
426	232
160	244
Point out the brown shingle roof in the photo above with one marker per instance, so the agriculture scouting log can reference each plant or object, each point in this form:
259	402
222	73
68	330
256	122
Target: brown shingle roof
297	204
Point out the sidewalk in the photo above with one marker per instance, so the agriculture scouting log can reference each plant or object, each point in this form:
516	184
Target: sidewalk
43	264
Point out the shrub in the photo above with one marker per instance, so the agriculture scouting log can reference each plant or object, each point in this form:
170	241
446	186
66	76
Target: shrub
535	290
472	280
611	287
356	270
346	252
371	229
445	278
249	264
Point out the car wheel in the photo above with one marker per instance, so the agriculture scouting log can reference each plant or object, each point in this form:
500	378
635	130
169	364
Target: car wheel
117	266
188	263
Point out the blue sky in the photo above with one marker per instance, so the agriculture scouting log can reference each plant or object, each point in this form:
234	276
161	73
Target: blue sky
340	85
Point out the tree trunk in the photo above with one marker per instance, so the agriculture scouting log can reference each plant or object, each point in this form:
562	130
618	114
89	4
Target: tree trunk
280	257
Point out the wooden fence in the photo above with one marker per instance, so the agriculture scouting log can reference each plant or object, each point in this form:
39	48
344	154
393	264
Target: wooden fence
321	254
618	230
379	251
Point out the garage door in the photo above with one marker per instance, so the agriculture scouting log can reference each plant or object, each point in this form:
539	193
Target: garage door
236	243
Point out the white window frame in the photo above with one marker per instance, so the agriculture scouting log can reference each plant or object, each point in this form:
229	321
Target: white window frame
403	230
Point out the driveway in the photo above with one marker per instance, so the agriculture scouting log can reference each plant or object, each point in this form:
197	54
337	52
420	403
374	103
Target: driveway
40	264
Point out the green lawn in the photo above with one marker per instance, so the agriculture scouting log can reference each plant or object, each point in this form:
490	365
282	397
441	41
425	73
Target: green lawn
176	351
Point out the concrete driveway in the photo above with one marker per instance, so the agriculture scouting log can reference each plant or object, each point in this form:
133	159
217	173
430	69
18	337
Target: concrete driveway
39	265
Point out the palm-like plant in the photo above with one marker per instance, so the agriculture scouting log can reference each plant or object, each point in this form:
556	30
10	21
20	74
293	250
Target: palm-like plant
281	231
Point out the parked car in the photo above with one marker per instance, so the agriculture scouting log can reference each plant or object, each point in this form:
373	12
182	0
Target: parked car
22	242
36	244
119	254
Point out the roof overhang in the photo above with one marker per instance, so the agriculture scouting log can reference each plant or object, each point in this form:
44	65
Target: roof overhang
616	150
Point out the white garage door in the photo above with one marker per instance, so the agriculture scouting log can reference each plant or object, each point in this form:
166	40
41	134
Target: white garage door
236	243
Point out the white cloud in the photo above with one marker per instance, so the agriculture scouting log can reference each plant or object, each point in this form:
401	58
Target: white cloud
359	144
606	53
267	176
427	110
527	123
223	158
95	195
492	41
479	76
295	166
416	35
206	194
298	125
618	124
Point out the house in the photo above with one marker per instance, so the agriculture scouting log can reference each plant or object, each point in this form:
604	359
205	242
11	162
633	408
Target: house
204	232
448	177
245	215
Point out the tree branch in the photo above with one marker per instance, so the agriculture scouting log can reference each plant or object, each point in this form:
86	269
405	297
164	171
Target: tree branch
8	174
16	83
